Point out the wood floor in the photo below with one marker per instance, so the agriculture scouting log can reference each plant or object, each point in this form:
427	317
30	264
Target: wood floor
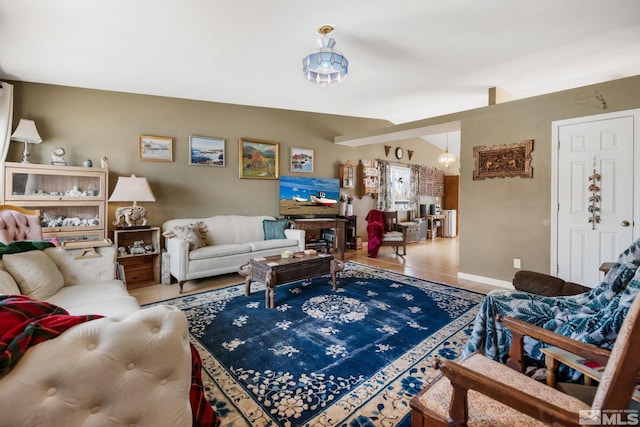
435	260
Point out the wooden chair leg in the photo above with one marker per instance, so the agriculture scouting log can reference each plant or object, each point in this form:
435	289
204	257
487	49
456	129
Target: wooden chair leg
552	368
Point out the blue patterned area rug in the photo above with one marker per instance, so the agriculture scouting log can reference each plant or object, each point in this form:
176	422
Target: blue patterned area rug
354	357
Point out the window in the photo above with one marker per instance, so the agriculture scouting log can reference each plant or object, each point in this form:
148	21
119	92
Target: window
400	187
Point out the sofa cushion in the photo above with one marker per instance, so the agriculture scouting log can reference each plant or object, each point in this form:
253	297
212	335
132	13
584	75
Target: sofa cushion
8	285
272	244
108	298
35	273
216	251
230	229
274	229
192	233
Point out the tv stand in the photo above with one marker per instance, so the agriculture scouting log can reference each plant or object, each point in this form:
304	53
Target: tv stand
338	224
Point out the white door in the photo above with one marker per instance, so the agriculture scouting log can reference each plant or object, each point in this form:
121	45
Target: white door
595	196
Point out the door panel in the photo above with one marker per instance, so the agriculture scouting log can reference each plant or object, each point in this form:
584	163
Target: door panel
604	147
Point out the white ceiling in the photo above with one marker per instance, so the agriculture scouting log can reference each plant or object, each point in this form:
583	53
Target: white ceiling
409	59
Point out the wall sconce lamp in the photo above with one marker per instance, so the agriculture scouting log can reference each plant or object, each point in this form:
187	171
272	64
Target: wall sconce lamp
132	189
26	132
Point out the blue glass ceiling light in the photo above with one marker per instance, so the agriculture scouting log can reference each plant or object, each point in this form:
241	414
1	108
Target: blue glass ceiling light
326	66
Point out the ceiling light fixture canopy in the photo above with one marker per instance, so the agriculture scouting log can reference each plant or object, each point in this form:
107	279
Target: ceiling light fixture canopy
446	159
326	66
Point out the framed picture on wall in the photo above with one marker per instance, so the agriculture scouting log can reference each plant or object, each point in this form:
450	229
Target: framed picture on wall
301	159
206	151
259	159
155	148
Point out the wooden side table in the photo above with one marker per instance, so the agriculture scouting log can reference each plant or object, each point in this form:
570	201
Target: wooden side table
140	261
431	219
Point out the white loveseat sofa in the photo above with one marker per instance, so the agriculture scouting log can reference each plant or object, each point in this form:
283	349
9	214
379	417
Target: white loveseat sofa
132	367
228	241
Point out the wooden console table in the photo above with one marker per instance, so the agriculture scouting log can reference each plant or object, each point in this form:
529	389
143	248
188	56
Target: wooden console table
319	223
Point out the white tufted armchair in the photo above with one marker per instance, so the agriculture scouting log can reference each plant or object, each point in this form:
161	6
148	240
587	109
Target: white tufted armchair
129	371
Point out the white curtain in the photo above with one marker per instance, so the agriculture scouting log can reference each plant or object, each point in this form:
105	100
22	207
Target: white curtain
6	120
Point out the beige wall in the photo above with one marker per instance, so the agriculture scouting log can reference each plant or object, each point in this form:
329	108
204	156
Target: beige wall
507	218
500	219
92	124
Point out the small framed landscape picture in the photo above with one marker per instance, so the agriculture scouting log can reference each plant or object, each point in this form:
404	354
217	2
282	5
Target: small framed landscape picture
155	148
206	151
301	159
259	159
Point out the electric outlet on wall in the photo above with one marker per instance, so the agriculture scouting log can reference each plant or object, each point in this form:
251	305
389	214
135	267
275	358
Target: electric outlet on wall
516	263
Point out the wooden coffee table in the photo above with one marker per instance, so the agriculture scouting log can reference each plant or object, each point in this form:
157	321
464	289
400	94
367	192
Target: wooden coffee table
274	271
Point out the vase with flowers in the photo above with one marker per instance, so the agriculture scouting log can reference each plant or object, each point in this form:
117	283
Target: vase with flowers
346	208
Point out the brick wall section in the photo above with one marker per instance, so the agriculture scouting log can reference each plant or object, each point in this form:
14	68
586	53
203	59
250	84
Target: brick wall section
431	182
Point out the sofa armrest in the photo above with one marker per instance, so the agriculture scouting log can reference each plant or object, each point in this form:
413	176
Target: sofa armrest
178	250
296	234
135	370
84	270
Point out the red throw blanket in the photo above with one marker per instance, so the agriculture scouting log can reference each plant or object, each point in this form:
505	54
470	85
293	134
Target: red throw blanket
25	322
375	230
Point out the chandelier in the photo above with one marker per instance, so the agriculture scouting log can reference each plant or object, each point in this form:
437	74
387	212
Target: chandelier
325	66
445	159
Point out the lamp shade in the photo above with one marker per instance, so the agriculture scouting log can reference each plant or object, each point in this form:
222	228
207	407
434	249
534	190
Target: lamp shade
26	132
132	189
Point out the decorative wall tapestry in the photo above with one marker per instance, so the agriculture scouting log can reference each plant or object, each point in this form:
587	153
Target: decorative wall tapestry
500	161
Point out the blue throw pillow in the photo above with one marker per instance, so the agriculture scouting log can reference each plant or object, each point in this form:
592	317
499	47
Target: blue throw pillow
274	229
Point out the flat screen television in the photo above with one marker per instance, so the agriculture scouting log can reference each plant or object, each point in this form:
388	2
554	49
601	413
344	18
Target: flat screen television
309	197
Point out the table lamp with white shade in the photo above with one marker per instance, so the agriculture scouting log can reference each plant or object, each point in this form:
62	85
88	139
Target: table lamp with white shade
26	132
132	189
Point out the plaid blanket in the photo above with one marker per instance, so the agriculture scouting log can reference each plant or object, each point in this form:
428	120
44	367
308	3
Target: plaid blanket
24	246
25	322
203	414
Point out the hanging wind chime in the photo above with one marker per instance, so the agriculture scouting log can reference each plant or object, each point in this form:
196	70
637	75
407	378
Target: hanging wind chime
594	199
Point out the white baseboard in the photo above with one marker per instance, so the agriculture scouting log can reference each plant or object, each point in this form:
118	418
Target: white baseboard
486	280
